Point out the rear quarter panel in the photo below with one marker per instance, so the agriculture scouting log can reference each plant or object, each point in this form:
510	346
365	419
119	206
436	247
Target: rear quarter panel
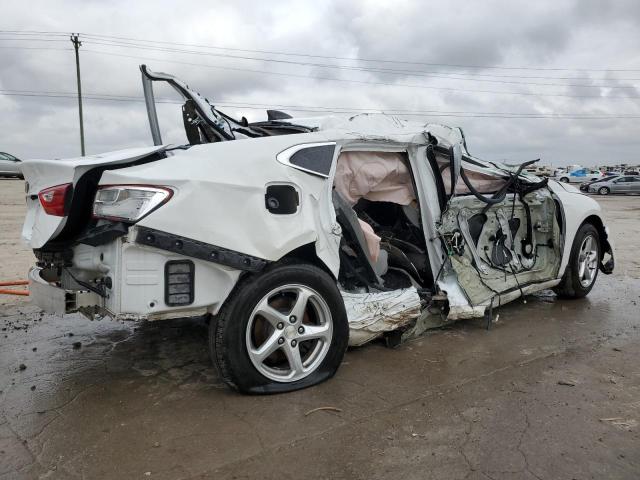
219	197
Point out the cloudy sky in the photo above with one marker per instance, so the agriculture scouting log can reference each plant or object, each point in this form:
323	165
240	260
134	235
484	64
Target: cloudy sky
555	79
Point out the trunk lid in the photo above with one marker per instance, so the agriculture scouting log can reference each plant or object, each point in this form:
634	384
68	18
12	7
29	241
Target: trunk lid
39	227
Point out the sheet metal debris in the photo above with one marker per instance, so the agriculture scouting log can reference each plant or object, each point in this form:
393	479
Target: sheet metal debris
372	314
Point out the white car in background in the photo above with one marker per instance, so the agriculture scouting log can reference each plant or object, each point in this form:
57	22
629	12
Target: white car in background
578	175
300	236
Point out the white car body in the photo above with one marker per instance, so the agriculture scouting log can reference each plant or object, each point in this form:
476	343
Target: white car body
578	175
217	219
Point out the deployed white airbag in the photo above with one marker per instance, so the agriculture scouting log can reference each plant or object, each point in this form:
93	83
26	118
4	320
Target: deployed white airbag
375	176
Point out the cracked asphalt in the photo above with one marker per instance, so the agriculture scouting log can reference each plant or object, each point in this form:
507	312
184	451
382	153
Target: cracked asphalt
552	391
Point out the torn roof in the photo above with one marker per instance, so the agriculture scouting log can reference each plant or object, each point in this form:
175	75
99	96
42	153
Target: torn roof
380	125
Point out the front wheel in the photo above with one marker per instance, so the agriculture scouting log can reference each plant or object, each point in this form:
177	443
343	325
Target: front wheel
603	191
582	269
282	330
564	179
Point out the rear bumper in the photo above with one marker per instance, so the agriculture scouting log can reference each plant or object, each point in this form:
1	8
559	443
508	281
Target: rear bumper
57	300
131	282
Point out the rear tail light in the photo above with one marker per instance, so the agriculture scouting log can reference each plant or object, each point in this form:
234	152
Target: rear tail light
54	199
128	203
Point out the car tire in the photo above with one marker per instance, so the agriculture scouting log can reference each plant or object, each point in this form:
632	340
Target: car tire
240	336
603	191
564	179
583	265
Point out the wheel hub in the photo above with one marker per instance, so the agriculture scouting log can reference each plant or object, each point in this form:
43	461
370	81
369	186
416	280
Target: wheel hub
289	333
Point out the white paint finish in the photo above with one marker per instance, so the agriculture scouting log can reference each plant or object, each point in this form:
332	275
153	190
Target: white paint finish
429	204
137	279
39	227
42	174
141	288
219	196
576	208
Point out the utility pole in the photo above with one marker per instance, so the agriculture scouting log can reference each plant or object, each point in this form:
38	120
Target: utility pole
76	45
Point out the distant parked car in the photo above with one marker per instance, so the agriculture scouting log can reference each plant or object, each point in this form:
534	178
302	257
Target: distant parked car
632	172
579	175
620	184
584	187
9	166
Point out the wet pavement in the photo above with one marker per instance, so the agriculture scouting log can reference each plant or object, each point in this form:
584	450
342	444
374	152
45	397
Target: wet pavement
551	391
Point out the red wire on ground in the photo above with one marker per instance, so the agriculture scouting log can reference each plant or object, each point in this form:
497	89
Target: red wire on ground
13	292
15	282
8	291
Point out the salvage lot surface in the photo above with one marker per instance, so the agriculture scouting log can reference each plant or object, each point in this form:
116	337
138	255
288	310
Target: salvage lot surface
551	391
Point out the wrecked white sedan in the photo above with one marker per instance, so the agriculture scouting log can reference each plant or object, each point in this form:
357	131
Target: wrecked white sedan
301	236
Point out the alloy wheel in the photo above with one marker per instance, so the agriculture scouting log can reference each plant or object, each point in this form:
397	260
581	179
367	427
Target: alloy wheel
289	333
588	261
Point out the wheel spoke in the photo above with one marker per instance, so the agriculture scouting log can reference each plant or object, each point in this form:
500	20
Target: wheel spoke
270	314
294	359
267	348
588	244
312	332
588	261
581	268
587	274
301	303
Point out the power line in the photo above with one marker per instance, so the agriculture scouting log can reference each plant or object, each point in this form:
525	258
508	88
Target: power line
374	69
361	59
35	48
33	32
322	109
444	75
362	82
387	71
329	57
2	39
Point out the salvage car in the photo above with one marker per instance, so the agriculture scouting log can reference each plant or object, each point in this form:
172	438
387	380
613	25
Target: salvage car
297	237
619	184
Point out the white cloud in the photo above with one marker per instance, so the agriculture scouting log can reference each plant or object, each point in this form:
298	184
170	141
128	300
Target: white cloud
581	35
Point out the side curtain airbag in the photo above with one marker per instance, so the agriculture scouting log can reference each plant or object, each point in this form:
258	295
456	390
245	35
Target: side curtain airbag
375	176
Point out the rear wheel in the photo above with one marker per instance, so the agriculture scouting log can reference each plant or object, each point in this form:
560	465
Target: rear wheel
582	269
564	179
282	330
603	190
